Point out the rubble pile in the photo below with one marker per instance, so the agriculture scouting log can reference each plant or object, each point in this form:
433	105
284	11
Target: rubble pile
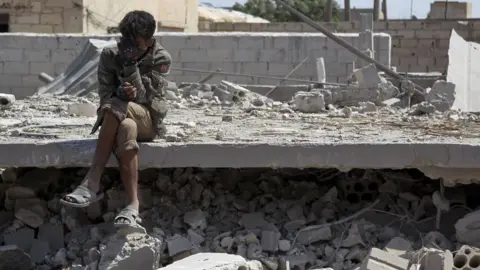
234	219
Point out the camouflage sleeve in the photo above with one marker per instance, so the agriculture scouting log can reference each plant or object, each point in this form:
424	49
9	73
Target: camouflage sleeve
151	83
106	76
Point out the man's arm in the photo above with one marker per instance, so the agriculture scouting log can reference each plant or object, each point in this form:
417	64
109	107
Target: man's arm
106	76
153	80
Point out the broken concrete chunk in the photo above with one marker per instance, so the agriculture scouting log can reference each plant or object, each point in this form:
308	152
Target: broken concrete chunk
53	234
22	238
178	244
11	257
398	246
438	260
379	259
309	102
131	251
368	77
30	218
6	101
270	241
422	108
467	229
253	221
197	219
86	109
441	95
210	261
310	236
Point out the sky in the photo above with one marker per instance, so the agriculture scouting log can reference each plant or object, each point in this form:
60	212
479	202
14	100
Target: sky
397	9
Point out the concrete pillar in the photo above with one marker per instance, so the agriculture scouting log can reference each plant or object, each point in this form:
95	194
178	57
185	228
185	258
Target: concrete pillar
321	71
366	42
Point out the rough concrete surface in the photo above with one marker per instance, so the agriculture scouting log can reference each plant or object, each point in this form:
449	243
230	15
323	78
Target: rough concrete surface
463	70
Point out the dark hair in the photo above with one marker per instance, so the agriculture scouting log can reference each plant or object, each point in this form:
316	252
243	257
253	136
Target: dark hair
137	23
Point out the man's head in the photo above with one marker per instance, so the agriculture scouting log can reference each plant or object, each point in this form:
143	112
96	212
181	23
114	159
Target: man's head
138	27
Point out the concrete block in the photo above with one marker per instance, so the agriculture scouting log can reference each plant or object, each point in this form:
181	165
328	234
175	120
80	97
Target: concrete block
39	250
442	95
220	55
6	101
210	261
269	241
274	56
22	238
379	259
178	244
254	68
398	246
225	42
368	77
11	257
307	237
63	55
30	81
39	67
11	55
26	18
250	42
440	260
16	68
193	55
42	55
21	92
246	55
279	69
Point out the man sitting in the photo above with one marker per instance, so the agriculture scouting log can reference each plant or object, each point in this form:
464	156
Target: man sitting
132	108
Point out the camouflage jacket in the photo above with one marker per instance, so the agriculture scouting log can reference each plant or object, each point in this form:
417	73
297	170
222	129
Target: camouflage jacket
147	76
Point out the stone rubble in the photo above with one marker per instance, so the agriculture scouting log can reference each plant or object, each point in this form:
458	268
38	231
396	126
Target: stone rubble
255	219
232	219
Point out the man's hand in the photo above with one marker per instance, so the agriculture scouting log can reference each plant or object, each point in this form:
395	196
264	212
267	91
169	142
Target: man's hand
130	90
129	52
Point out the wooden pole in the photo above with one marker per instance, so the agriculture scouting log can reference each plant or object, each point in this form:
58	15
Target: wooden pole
348	13
329	16
376	9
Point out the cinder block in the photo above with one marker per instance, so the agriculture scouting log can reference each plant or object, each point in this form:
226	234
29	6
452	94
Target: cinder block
196	65
246	55
39	67
72	42
279	69
251	42
225	42
379	259
37	55
254	68
16	68
274	56
31	81
59	68
11	55
193	55
63	56
220	55
26	18
197	42
11	81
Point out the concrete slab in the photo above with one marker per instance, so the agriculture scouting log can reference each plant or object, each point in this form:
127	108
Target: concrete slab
463	71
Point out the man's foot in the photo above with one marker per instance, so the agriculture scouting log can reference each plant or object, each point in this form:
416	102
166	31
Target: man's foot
128	217
81	197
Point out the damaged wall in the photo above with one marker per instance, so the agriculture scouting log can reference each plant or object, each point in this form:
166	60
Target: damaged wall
24	56
417	45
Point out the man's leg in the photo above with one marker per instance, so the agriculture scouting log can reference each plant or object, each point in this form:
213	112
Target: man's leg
137	126
105	143
127	154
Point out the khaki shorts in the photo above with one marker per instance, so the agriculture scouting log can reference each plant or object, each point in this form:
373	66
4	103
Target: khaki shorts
141	115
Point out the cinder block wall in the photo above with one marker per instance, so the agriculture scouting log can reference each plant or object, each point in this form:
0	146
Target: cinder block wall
417	45
24	56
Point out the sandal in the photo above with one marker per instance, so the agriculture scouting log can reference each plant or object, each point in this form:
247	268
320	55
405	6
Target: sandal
82	197
130	215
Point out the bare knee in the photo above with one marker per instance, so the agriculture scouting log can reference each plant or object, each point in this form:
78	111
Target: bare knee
126	139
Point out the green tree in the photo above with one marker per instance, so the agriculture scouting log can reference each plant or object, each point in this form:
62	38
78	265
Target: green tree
269	10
